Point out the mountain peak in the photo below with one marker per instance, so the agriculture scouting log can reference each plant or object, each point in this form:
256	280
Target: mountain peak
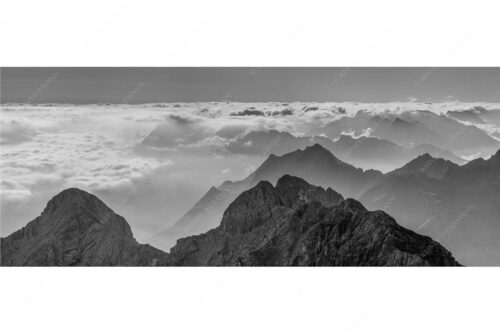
250	208
427	165
76	228
425	157
399	121
346	138
294	190
317	148
317	165
279	232
71	193
76	197
255	205
347	141
288	179
318	151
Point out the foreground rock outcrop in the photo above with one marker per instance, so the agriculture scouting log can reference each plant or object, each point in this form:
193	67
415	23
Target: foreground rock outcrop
292	224
76	229
296	223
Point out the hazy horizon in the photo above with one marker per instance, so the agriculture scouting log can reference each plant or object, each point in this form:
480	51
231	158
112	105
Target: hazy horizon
141	85
151	161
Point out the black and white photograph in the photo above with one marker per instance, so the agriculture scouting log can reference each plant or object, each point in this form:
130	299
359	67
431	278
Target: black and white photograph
196	167
270	166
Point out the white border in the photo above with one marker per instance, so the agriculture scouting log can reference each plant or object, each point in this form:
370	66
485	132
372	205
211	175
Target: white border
257	33
249	299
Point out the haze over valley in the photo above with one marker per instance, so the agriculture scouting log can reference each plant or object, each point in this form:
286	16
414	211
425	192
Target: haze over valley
171	170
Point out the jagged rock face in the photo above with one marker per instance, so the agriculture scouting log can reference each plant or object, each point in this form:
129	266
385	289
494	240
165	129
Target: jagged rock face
295	223
76	228
251	210
293	190
458	205
315	164
255	207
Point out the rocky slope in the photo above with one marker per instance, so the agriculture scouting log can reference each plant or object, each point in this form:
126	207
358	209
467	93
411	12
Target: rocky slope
315	164
76	229
296	223
457	205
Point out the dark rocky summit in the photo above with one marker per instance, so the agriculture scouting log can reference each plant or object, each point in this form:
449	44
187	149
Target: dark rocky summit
292	224
315	164
76	229
297	224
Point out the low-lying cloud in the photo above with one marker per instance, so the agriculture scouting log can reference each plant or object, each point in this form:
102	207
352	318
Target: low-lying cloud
152	162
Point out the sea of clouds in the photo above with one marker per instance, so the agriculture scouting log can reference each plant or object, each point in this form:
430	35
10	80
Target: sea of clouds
150	163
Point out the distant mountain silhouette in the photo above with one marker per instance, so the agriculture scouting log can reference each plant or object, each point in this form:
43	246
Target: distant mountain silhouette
364	152
477	115
317	165
456	205
413	128
76	229
297	224
455	136
491	116
406	133
267	142
435	152
383	155
466	115
425	165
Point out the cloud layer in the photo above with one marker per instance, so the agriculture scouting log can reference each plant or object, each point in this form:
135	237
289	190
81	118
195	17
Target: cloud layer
150	162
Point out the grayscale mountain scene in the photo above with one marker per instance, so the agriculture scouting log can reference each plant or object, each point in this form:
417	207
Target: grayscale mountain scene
250	166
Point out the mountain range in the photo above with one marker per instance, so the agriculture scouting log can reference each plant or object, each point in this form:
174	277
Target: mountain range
412	128
291	224
456	205
296	223
429	195
477	114
366	152
413	165
315	164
